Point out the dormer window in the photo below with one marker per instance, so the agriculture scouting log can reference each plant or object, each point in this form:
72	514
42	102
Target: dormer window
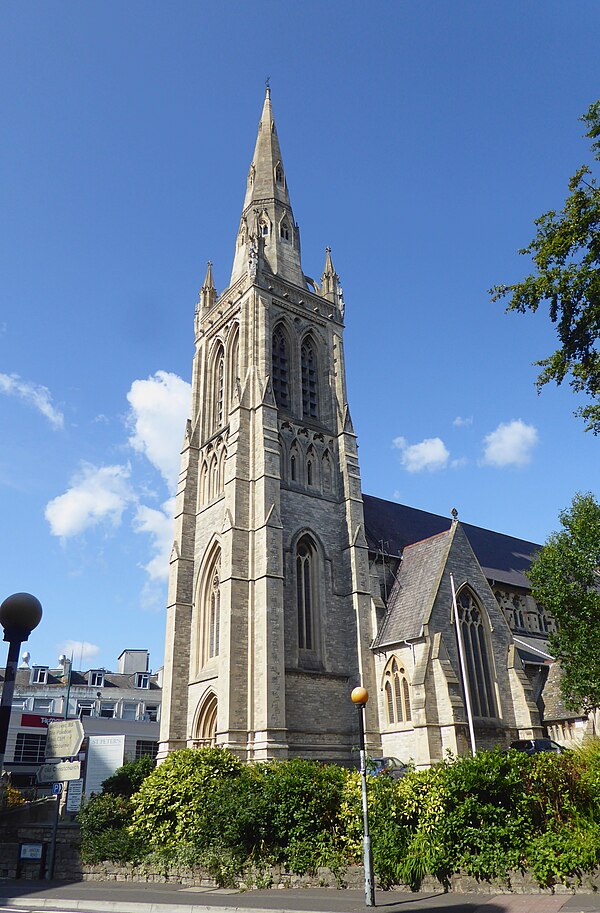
264	229
279	174
96	678
39	675
142	680
285	231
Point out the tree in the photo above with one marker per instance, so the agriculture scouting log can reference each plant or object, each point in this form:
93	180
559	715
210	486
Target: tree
566	254
565	578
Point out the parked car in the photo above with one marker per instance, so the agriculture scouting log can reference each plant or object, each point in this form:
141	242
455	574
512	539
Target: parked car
534	746
391	767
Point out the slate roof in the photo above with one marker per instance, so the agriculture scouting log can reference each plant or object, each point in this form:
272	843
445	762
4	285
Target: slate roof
414	590
502	558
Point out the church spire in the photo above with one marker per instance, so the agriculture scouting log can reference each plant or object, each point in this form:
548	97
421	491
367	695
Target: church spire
268	237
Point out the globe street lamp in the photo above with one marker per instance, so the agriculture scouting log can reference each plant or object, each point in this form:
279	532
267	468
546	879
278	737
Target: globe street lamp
359	697
19	615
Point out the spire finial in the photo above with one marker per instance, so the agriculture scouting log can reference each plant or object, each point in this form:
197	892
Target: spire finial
454	513
268	86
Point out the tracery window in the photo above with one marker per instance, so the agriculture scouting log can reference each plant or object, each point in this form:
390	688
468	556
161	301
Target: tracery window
397	693
309	379
284	231
306	577
477	659
280	362
209	611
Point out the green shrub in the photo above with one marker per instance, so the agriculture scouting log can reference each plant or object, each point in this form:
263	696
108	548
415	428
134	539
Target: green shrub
104	821
127	779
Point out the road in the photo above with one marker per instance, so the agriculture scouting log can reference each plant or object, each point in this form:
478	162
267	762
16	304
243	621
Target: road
122	897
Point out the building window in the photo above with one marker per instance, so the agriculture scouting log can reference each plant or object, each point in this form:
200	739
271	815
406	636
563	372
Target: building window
309	379
107	709
39	675
279	174
285	231
306	577
233	361
397	693
151	713
219	391
264	229
43	705
96	678
280	369
209	611
142	680
129	710
479	670
30	748
85	708
144	748
326	472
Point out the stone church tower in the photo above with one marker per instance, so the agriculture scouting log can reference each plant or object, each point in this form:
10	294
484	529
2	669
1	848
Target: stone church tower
270	617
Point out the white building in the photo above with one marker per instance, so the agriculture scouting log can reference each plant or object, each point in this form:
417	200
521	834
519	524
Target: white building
126	702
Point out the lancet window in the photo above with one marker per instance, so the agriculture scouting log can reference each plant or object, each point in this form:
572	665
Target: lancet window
219	389
309	380
477	658
209	611
306	580
397	693
280	362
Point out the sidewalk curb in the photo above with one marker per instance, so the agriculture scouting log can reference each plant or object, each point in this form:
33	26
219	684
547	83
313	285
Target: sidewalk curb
117	906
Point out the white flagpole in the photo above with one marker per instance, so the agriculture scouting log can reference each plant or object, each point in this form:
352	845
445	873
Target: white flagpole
463	668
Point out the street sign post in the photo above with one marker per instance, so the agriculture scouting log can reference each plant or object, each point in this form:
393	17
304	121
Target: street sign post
59	770
64	739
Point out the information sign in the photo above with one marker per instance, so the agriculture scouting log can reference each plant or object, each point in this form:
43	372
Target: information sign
59	770
64	738
74	795
31	850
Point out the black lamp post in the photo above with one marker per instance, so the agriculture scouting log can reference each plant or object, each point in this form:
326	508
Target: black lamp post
19	615
359	697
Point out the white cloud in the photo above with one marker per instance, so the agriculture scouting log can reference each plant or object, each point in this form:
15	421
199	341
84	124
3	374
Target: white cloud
463	422
79	649
34	394
97	493
160	406
459	463
511	444
431	454
159	525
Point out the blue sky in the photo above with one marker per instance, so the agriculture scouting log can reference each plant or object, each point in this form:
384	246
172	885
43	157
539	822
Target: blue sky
420	141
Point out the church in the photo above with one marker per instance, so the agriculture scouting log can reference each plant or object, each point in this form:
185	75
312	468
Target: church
288	586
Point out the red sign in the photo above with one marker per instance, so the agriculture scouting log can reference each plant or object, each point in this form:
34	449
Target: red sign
37	721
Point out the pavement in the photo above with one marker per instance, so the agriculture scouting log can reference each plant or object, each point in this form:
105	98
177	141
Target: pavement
126	897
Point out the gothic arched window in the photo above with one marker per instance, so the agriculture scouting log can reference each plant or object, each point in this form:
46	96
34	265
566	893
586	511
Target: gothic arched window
308	363
214	616
280	361
306	580
284	231
326	473
209	611
233	361
218	389
479	668
397	693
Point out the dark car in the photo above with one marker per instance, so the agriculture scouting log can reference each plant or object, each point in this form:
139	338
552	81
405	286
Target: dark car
391	767
534	746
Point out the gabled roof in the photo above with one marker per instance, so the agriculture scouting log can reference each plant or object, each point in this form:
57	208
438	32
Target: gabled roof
502	558
414	590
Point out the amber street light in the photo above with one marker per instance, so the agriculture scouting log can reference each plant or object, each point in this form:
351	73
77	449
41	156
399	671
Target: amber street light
19	615
360	696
